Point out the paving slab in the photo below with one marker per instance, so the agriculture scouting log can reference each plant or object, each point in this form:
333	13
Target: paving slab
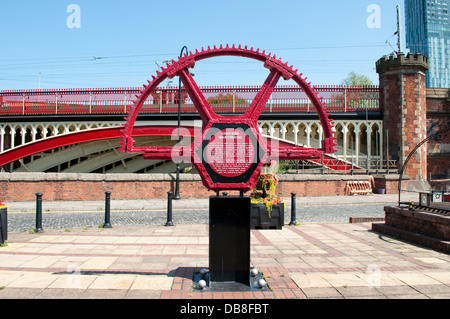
310	281
308	261
429	290
6	277
152	283
112	282
98	263
415	278
19	293
143	294
441	276
322	293
65	293
72	281
103	294
344	280
360	292
33	280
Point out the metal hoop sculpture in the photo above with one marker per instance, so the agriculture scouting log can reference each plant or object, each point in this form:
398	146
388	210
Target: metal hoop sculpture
258	151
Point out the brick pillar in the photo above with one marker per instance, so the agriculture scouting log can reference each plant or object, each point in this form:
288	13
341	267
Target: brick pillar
403	90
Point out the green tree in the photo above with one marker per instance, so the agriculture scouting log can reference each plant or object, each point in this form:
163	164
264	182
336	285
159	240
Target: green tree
357	79
226	99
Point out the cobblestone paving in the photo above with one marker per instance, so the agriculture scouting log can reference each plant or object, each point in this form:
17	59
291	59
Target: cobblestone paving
316	214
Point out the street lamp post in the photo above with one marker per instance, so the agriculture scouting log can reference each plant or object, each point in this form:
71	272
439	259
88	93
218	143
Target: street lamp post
177	182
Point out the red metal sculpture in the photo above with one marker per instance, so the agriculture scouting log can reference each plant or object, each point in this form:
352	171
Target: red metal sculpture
231	151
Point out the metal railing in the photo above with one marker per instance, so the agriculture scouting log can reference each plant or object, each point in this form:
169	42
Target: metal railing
356	166
223	99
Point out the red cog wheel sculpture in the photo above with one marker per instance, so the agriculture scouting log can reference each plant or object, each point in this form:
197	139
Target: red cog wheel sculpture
231	151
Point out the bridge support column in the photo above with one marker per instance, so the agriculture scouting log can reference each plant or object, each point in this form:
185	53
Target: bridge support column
357	141
320	130
344	141
308	136
369	146
296	130
2	139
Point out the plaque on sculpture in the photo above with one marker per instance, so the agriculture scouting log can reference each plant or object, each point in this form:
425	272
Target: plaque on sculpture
229	153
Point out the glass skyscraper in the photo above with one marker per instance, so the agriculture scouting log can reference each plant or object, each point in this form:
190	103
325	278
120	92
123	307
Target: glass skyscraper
428	32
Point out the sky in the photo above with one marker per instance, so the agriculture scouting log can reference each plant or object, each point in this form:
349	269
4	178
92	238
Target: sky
97	43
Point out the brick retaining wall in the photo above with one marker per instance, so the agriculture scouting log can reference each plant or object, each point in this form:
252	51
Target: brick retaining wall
423	228
77	187
436	226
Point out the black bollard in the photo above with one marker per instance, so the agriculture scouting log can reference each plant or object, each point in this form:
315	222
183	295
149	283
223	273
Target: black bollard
293	210
39	228
107	223
3	224
169	222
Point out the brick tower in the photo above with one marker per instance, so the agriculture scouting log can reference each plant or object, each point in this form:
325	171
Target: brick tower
403	93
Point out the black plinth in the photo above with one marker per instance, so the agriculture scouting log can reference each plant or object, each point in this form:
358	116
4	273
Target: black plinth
229	240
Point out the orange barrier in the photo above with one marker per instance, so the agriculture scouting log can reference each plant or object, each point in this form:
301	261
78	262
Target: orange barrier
358	187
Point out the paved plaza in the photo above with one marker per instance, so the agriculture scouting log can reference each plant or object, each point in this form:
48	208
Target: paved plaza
313	260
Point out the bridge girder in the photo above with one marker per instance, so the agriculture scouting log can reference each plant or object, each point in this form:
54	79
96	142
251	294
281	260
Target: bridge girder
86	142
47	161
293	130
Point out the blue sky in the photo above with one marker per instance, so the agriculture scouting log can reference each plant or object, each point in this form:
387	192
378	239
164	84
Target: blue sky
324	39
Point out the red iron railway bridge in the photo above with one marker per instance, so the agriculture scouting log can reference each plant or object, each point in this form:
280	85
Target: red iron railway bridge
223	99
76	130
